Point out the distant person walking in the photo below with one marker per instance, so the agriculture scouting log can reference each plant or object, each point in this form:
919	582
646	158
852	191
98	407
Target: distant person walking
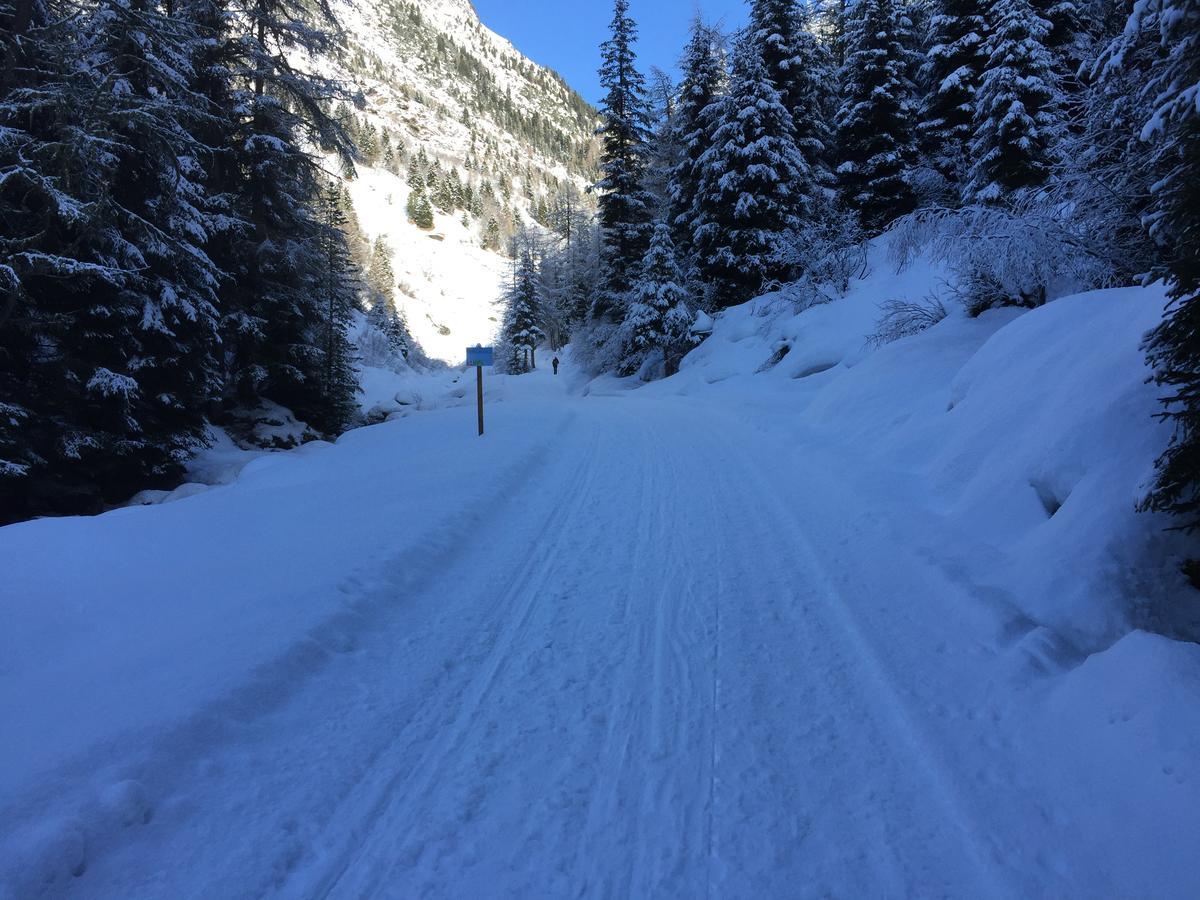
554	362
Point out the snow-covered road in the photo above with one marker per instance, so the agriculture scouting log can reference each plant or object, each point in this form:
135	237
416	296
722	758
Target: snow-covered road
677	657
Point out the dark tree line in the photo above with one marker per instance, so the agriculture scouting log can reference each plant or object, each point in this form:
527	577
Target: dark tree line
166	252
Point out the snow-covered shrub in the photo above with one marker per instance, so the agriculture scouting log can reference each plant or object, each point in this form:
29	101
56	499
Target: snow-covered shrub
932	188
1019	256
902	318
376	351
827	254
598	346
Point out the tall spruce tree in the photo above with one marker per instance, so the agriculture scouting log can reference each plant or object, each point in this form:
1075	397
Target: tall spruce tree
625	205
521	330
340	301
1173	125
161	324
1017	120
48	199
381	279
799	68
658	291
875	140
704	79
108	324
418	209
953	71
753	186
272	305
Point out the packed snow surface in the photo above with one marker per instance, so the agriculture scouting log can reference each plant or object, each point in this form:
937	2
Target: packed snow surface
858	623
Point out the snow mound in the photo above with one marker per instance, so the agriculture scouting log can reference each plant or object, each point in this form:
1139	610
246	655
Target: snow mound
1032	432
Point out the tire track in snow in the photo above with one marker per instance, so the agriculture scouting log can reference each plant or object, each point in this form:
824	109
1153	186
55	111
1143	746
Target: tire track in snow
511	615
854	680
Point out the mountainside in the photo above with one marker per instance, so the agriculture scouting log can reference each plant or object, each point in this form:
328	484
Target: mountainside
454	112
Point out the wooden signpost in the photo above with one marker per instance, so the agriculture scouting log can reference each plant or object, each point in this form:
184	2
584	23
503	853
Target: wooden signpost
479	356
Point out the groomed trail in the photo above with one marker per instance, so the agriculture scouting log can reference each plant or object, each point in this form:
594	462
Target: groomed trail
674	657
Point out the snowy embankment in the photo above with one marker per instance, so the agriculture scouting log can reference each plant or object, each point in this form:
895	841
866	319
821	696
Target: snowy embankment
1029	433
877	622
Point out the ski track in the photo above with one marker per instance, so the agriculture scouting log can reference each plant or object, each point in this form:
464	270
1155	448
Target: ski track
641	678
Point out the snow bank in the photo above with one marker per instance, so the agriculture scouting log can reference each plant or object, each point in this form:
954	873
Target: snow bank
1128	719
1032	432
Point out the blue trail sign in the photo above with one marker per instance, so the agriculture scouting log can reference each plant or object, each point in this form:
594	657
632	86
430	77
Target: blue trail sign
480	356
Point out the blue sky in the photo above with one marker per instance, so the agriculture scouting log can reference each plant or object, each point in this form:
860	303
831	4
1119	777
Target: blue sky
566	34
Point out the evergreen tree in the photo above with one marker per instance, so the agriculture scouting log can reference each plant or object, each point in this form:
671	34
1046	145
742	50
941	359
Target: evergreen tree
753	185
388	154
625	206
418	171
49	193
875	138
953	71
1065	40
704	78
368	143
108	317
521	330
389	321
340	301
830	24
381	279
658	291
1173	124
798	66
272	305
419	210
491	235
1017	122
664	148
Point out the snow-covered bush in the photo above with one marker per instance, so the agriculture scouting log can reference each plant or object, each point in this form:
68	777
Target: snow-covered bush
902	318
1019	256
827	254
598	346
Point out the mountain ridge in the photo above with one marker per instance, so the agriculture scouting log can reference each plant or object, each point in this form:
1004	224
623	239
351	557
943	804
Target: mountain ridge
444	91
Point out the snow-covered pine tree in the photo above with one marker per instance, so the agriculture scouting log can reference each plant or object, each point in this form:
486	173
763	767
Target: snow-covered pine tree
110	324
1172	97
418	209
799	68
952	71
657	292
381	297
272	307
521	330
418	170
753	185
875	140
381	278
340	300
387	153
664	148
163	320
625	206
1017	122
1065	38
45	187
829	22
704	79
